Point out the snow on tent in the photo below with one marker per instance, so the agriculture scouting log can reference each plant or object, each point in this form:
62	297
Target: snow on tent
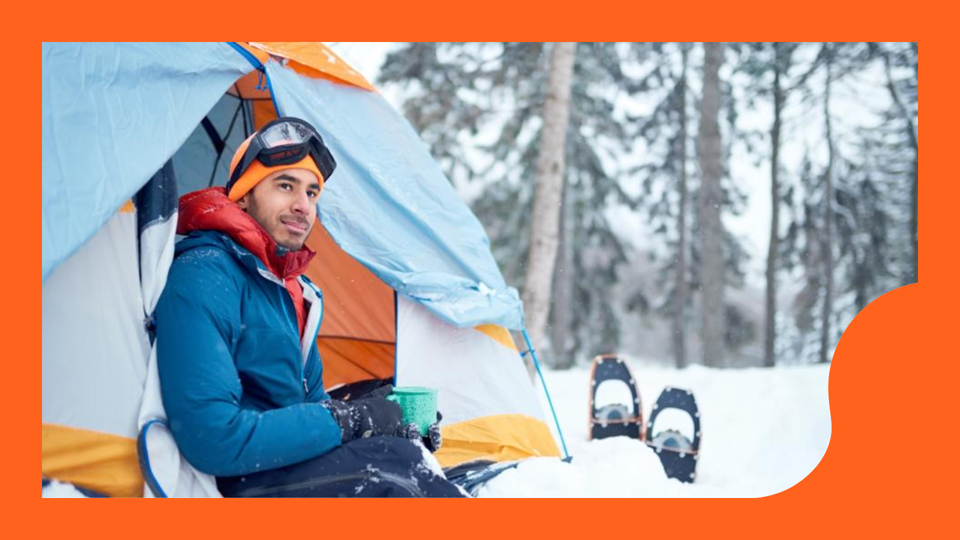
410	287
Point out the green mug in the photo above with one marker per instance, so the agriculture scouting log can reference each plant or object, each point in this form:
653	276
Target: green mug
419	406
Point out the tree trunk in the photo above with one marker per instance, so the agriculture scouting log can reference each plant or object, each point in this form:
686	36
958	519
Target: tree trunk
770	316
681	293
915	217
561	329
915	188
710	203
544	227
914	178
825	334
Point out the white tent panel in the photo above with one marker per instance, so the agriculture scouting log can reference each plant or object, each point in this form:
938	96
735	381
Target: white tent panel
95	347
476	376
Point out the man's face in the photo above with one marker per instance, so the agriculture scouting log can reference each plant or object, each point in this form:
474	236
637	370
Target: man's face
285	204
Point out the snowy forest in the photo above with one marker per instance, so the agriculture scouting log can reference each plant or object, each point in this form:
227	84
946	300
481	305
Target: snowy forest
723	204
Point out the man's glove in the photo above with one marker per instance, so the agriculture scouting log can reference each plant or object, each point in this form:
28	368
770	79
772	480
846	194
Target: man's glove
370	417
432	441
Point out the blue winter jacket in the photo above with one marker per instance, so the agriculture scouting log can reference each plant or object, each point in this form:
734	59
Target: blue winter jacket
238	394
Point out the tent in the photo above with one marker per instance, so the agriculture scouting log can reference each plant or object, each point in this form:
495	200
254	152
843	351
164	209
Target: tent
410	288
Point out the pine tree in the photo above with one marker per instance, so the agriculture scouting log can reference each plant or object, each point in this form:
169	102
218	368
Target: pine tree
664	175
854	232
669	198
904	94
768	66
679	304
827	308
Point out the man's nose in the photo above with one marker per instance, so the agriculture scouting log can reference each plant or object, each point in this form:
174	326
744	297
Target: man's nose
301	205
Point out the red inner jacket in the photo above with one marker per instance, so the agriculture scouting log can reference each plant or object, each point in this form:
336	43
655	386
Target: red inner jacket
211	210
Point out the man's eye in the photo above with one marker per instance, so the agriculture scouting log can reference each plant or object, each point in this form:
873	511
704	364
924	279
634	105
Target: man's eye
313	194
284	185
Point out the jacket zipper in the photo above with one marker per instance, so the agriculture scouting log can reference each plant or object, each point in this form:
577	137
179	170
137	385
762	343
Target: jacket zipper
409	486
284	298
316	331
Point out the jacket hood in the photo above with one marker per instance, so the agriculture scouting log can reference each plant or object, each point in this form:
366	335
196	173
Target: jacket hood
211	210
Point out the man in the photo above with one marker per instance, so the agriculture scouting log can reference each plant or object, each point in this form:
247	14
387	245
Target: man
240	373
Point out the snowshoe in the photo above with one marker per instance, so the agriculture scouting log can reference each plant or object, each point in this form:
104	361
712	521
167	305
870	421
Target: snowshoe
678	454
614	419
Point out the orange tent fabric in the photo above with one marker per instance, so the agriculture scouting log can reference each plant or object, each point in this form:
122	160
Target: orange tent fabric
311	59
314	60
358	336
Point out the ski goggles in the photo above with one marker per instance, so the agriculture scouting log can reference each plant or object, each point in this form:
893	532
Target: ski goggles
285	141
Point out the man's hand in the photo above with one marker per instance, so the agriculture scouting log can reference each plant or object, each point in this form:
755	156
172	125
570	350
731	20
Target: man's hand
367	417
433	440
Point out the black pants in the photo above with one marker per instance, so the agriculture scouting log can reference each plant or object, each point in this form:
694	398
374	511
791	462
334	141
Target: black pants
374	467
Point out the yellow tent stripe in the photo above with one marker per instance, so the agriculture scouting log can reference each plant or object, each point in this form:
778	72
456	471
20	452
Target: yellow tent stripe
498	334
98	461
108	463
506	437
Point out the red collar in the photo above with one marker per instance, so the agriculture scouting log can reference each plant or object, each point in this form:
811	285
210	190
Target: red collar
210	209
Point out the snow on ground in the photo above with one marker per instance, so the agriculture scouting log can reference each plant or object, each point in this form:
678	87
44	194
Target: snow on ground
763	431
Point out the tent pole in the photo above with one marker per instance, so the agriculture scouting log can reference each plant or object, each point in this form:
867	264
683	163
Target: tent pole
536	363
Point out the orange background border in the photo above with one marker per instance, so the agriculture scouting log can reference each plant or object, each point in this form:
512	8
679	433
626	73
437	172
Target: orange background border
894	361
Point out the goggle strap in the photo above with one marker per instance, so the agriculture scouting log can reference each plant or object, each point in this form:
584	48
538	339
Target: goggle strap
314	146
241	167
325	162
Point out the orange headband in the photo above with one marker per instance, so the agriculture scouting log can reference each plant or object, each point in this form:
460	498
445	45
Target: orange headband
258	171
